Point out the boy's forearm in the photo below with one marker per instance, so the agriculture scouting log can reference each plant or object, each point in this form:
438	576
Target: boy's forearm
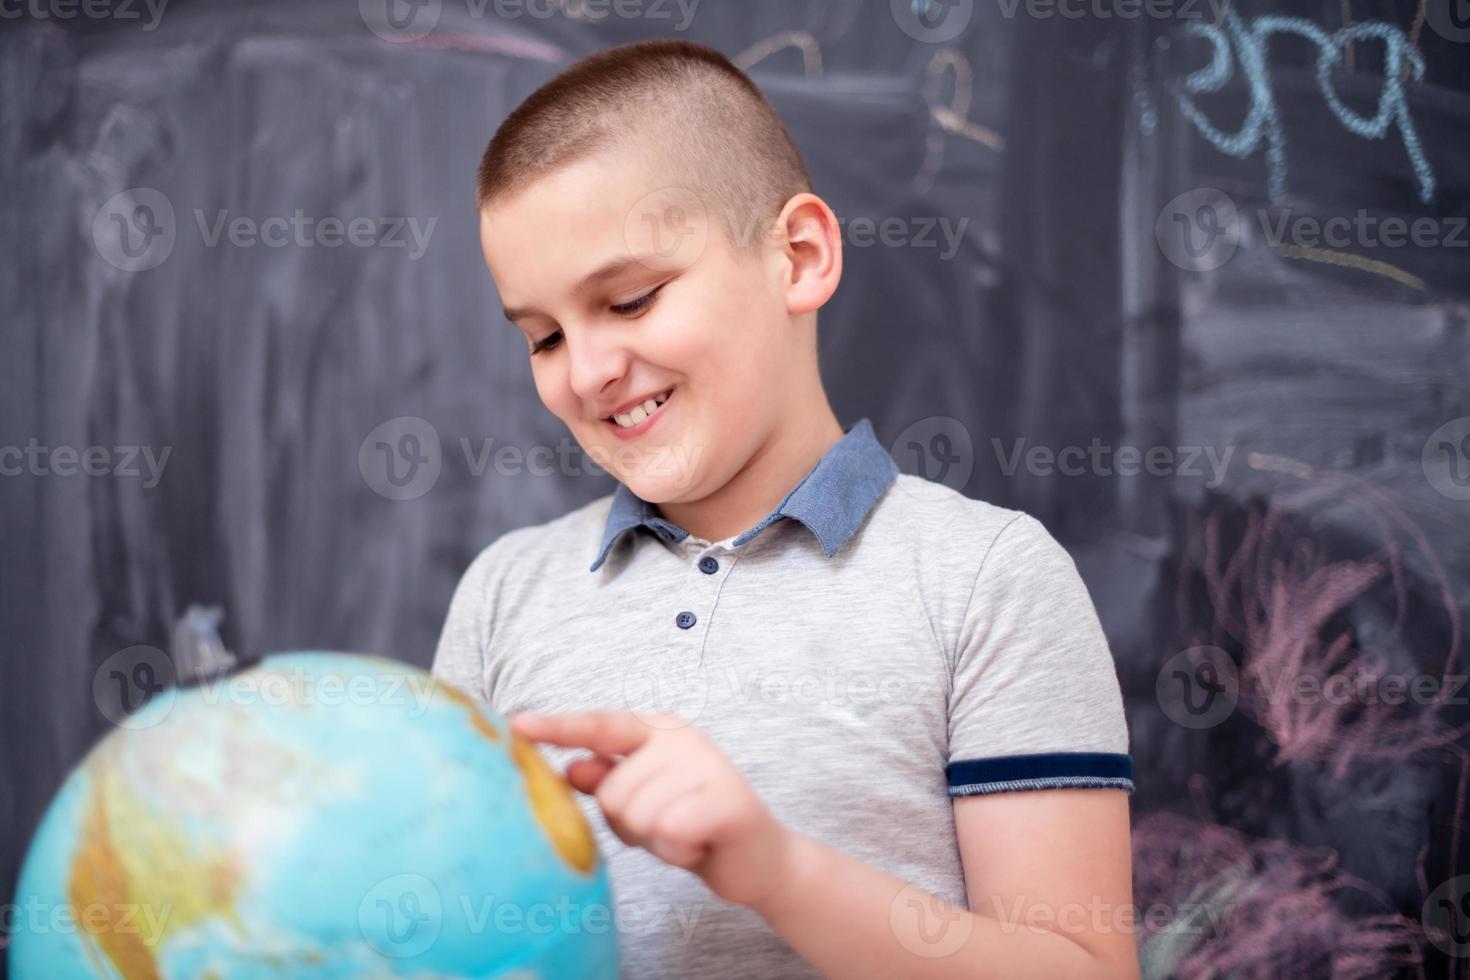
852	921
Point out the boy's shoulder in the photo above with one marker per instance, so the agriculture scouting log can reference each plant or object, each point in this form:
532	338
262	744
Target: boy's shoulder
947	518
953	538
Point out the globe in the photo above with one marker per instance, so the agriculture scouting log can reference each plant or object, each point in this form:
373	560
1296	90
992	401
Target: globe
313	815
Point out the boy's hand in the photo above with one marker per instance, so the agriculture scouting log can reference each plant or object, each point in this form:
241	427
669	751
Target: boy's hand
674	794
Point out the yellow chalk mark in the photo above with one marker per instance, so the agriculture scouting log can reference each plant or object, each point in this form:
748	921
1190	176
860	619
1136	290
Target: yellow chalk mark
811	51
1280	464
951	122
1326	255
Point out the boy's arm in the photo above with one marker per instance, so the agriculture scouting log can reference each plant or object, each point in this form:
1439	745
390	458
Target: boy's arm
1047	875
1055	860
459	657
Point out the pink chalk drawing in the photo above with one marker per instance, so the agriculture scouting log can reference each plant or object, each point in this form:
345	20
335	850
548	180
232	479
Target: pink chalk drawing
1278	608
1212	902
1276	596
1281	592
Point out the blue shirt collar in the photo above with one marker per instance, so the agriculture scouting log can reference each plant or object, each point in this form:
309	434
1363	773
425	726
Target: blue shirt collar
831	500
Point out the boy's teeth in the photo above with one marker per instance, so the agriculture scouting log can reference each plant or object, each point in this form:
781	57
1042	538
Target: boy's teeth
640	412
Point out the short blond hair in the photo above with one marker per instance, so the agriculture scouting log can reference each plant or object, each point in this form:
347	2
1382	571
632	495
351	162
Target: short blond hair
684	105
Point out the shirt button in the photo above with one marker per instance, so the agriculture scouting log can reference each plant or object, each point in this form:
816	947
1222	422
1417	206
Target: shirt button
708	565
684	620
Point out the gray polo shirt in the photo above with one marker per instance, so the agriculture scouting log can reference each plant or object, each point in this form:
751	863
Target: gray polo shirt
875	646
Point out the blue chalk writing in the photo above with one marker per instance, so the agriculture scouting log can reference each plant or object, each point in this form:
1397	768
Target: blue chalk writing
1263	122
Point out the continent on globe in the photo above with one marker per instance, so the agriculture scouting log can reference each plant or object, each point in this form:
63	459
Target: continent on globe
315	815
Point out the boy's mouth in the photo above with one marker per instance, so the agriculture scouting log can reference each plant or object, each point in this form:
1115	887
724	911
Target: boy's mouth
641	418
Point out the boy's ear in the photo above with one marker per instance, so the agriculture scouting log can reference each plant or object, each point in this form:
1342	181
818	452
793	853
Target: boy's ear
811	241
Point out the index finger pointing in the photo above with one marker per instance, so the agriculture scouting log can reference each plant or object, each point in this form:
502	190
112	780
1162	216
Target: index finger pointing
605	732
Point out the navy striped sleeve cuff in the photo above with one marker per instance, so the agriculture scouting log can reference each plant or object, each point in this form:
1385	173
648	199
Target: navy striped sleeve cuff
1046	770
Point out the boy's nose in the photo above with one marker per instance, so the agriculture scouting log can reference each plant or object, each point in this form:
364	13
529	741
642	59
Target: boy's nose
596	367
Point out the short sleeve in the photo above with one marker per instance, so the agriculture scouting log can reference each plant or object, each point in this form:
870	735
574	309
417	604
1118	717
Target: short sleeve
460	655
1035	702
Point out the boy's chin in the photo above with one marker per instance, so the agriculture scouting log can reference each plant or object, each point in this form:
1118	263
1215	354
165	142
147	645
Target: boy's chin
662	480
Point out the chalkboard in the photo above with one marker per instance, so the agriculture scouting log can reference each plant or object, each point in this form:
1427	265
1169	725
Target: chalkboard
1157	282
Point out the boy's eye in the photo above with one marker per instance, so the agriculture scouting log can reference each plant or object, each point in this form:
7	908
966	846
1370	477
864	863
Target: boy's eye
638	304
552	340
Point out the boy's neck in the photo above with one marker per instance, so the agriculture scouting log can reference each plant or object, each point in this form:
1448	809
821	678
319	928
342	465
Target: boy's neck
764	481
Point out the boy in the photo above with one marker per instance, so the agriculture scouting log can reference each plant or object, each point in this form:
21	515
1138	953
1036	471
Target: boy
881	704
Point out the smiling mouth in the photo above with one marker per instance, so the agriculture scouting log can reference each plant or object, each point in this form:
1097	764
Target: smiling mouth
634	420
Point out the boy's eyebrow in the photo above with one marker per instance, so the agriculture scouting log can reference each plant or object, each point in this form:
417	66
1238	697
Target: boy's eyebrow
608	270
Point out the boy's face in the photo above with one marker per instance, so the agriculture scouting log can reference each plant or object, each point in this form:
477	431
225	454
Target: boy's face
687	313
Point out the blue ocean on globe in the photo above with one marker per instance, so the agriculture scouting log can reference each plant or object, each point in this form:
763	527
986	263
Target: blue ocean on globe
316	815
